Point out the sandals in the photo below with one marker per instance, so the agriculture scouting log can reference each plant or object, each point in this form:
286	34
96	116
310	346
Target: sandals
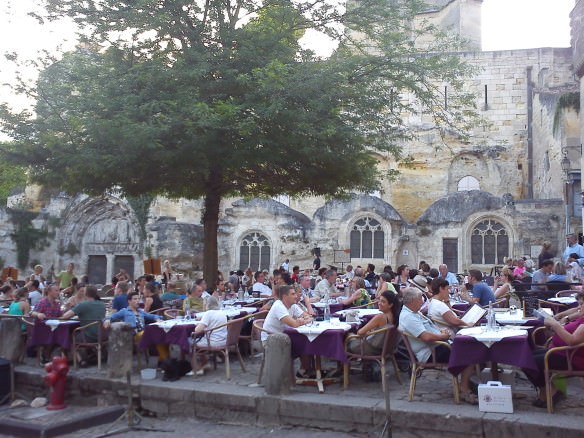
469	397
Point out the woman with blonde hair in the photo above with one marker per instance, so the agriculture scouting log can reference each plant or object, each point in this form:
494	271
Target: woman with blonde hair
166	273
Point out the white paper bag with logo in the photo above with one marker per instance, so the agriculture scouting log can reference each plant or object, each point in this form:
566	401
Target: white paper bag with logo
495	397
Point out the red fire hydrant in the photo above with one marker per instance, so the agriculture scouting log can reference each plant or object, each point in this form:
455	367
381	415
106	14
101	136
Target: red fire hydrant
56	378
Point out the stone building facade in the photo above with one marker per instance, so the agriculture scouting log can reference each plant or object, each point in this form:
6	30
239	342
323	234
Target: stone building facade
514	185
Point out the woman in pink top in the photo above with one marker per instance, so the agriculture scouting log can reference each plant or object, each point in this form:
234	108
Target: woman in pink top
519	269
569	334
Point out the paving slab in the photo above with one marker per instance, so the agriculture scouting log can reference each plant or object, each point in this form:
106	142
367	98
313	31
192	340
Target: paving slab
30	422
360	409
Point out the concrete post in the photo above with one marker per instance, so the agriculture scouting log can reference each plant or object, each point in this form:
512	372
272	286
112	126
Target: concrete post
11	346
120	346
278	369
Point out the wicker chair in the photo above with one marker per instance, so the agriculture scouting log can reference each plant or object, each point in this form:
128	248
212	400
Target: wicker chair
80	341
173	313
566	293
418	367
366	305
550	373
231	343
250	338
390	341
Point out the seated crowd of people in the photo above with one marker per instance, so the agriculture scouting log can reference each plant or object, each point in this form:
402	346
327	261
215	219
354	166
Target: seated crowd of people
418	301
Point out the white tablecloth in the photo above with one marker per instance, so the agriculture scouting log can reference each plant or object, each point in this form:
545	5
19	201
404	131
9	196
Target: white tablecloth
316	328
322	304
54	323
170	323
511	318
361	312
563	300
490	337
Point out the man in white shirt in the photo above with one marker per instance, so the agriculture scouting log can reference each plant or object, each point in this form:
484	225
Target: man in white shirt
259	285
280	317
286	265
424	334
327	286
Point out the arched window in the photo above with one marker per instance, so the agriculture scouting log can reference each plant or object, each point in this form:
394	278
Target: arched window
367	239
489	243
468	183
254	252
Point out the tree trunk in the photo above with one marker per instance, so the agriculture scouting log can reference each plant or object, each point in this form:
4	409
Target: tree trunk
210	225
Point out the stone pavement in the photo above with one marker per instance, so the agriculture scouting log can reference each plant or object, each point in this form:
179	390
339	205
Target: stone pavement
359	410
192	427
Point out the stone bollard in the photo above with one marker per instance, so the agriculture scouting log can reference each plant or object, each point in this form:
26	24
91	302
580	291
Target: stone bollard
11	347
278	368
120	348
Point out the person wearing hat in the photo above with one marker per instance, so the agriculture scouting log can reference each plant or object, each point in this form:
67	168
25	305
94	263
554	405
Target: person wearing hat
421	283
359	295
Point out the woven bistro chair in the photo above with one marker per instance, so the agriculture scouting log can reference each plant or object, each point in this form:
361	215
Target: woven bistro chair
390	341
566	293
173	313
418	367
550	374
231	343
249	339
80	341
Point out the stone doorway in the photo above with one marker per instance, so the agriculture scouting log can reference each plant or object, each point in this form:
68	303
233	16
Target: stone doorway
97	269
450	254
125	262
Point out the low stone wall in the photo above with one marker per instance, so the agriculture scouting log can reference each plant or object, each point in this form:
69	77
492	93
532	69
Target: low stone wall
245	405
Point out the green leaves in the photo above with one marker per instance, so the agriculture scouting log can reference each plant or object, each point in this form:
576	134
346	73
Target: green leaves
165	94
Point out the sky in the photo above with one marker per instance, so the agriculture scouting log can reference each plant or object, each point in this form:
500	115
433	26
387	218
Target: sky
506	24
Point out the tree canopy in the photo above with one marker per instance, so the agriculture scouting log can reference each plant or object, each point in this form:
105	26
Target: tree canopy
216	98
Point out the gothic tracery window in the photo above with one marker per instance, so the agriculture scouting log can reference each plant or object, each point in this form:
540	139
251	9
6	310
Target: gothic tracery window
367	239
489	243
254	252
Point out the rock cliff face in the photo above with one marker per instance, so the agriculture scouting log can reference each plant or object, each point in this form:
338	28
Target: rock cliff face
180	242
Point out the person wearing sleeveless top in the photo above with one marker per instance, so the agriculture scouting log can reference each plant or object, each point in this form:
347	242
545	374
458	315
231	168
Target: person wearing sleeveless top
373	344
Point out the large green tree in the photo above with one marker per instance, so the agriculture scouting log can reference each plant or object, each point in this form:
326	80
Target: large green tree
216	98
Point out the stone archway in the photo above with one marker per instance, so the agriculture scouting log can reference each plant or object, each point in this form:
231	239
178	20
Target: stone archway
101	235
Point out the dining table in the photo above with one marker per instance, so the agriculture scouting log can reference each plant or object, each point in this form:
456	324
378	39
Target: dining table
508	345
333	304
318	339
52	332
177	331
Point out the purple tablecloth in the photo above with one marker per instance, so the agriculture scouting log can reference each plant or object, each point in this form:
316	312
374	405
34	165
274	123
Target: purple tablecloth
334	308
329	343
178	335
43	335
466	350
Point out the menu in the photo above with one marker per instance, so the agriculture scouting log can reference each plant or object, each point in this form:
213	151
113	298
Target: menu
473	315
